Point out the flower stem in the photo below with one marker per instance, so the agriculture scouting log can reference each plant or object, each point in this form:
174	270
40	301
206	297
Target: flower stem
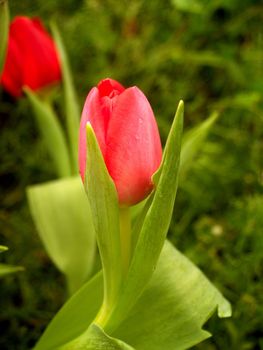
125	237
125	241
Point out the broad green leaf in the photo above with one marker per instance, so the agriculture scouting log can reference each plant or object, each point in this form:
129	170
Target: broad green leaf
52	134
154	229
103	199
70	100
192	143
75	316
4	25
7	269
169	314
96	338
175	305
62	215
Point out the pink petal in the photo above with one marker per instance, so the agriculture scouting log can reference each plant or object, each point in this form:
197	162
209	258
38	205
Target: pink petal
133	147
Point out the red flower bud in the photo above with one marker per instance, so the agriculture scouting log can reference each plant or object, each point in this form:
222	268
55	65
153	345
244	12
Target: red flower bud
31	58
127	133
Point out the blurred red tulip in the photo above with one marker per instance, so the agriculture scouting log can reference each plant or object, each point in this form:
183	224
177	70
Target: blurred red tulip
127	133
31	59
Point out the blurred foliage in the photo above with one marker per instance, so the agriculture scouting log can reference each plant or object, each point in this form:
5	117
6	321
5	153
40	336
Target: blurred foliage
208	53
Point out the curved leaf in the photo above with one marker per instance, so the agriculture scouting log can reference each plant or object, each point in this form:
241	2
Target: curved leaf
192	143
52	133
3	248
103	200
153	231
175	305
62	215
168	315
74	317
70	100
96	338
7	269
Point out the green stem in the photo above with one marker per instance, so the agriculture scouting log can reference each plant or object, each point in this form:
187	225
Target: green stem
71	101
125	240
4	24
125	237
52	133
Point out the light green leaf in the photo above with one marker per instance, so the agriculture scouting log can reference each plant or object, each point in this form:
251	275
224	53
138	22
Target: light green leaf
4	26
169	314
194	6
96	338
175	305
103	199
75	315
193	141
7	269
154	230
70	100
3	248
52	133
62	215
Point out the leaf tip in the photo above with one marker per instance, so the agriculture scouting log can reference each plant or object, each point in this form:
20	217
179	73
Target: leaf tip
181	105
89	132
180	109
3	248
224	309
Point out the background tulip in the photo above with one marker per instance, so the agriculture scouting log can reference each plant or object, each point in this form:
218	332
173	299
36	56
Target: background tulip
31	59
127	133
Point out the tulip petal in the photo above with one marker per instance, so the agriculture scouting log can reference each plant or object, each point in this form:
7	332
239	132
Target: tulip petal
93	113
133	147
107	86
97	111
38	56
12	73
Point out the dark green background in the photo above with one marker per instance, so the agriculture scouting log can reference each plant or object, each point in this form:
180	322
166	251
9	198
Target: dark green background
209	53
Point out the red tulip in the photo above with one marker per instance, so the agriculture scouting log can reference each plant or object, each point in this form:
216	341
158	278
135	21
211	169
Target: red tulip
31	58
127	133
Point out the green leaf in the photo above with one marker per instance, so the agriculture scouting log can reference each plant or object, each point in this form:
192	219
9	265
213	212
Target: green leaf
139	214
52	133
193	141
193	6
3	248
8	269
99	340
175	305
75	315
70	100
103	199
4	26
62	215
96	338
169	314
154	230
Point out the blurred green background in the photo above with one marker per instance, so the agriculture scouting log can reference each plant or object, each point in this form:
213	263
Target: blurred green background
208	53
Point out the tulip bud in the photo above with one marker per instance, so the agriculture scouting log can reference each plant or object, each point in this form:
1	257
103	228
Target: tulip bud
128	136
31	59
